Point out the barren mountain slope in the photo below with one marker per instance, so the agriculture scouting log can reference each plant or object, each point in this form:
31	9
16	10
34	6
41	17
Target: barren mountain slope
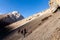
48	30
41	26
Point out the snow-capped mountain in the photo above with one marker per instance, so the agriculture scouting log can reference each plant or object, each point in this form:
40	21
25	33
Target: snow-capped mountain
14	16
11	17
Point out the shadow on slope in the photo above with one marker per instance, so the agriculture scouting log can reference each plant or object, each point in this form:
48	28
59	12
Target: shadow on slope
3	30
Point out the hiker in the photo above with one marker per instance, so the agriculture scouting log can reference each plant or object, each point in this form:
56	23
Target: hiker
24	32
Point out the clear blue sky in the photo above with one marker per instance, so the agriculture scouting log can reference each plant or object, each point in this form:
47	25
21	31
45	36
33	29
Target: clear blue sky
25	7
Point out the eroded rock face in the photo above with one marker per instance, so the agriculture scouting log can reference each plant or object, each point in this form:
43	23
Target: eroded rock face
58	2
54	2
